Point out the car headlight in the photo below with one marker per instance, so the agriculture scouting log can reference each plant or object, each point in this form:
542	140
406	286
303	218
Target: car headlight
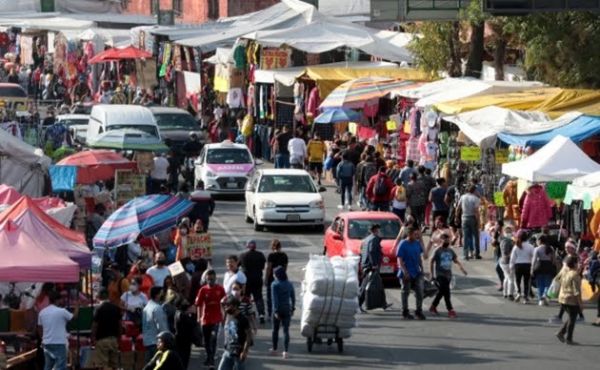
317	204
267	204
210	174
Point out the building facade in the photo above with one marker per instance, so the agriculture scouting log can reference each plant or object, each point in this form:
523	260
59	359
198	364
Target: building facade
197	11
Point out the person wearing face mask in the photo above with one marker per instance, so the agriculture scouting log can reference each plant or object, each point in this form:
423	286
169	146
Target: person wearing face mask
233	273
440	268
159	271
154	321
237	336
506	247
370	261
246	309
208	306
284	305
133	302
181	241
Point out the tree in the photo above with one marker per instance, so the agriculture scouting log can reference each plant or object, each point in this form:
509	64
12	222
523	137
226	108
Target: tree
433	47
475	18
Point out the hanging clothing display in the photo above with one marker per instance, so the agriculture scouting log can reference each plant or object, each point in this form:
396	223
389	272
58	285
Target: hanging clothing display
314	100
235	98
537	208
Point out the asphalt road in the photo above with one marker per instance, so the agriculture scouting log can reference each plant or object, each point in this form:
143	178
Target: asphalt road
489	333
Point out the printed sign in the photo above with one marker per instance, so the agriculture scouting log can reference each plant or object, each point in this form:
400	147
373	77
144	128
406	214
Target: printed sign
272	58
128	185
501	156
199	246
470	153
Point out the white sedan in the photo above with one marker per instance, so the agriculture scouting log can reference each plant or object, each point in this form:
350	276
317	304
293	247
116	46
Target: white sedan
278	197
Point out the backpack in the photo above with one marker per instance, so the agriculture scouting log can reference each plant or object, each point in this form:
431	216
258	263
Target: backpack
369	170
381	188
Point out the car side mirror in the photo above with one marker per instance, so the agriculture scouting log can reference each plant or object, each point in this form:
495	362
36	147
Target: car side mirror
322	189
258	162
338	236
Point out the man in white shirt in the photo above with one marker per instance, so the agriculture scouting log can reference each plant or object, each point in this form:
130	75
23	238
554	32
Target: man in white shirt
233	274
159	271
52	327
297	149
469	206
159	175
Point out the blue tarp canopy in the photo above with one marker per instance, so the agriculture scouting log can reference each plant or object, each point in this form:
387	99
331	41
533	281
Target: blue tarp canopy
63	178
578	130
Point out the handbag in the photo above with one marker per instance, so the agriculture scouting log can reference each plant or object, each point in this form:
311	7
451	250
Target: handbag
554	289
430	288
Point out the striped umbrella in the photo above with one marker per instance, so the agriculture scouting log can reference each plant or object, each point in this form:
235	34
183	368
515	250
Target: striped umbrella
146	215
354	93
335	115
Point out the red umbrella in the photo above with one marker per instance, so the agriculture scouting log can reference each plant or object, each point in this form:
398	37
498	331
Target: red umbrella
113	54
96	165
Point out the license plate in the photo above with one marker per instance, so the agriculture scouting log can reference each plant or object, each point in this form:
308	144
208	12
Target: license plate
232	185
386	269
295	218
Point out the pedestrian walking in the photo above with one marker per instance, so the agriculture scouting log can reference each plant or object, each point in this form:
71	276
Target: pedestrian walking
571	251
253	263
469	211
345	176
441	270
233	273
159	271
368	169
284	305
416	194
316	155
208	306
154	321
204	206
406	172
185	325
437	197
399	200
52	327
379	191
520	262
282	154
297	150
106	330
238	336
275	259
166	357
506	247
569	298
410	263
370	262
543	268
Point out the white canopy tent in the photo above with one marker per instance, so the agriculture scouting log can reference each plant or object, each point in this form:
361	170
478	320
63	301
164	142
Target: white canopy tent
584	188
459	88
559	160
481	126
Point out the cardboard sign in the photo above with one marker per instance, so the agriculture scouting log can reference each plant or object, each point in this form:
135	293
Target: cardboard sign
199	246
501	156
352	128
499	199
176	268
470	153
128	185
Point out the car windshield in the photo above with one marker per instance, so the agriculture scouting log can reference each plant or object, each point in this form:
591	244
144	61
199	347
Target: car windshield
228	156
73	121
359	229
176	120
12	92
286	184
149	129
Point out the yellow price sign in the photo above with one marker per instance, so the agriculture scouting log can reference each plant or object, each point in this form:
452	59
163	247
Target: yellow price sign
499	199
352	128
470	153
391	125
501	156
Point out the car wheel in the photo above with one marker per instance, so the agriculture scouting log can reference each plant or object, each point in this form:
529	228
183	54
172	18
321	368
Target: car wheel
248	219
257	227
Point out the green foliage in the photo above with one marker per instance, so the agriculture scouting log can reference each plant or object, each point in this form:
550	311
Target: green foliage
431	48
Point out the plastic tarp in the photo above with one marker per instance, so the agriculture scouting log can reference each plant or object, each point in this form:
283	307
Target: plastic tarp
22	166
63	214
578	130
328	33
483	125
568	100
584	188
63	178
328	79
559	160
521	100
28	256
48	23
344	8
222	56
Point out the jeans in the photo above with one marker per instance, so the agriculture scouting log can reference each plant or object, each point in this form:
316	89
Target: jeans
508	285
543	282
254	289
210	334
470	229
569	325
380	206
284	320
55	356
346	187
444	291
523	273
149	352
415	284
231	362
269	298
362	198
282	160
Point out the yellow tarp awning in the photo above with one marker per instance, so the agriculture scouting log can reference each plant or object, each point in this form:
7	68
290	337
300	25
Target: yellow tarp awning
327	79
524	100
569	100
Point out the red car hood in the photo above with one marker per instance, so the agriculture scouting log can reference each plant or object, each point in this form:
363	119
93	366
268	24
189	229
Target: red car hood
387	247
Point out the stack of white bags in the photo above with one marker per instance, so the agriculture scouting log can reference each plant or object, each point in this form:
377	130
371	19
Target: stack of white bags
330	294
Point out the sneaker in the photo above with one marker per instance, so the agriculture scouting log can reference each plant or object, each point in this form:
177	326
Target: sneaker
561	337
572	343
525	301
511	297
555	320
340	206
262	320
272	351
434	310
452	314
541	302
419	315
580	319
284	355
319	182
517	297
477	257
407	316
387	305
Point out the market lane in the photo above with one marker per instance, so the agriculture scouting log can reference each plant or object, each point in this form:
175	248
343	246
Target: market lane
490	333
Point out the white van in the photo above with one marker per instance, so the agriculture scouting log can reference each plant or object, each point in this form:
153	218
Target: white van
110	117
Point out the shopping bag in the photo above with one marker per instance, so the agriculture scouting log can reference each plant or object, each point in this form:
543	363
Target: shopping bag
554	289
375	293
430	288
